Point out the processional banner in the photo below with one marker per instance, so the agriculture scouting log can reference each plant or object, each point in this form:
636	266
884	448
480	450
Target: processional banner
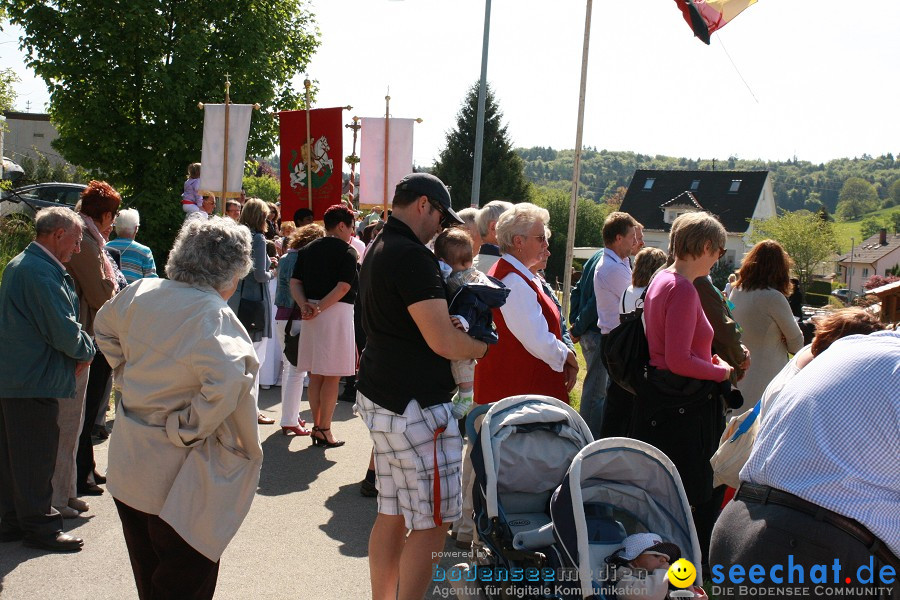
324	158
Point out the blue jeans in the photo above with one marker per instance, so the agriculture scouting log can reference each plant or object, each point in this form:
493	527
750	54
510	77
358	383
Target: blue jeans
593	391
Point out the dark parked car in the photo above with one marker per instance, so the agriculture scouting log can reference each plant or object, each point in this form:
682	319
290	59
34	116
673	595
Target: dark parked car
28	199
844	295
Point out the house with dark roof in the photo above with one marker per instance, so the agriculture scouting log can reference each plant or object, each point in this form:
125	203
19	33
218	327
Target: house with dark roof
876	255
656	198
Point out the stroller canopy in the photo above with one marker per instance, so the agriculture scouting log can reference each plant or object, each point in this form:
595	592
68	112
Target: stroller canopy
526	445
614	487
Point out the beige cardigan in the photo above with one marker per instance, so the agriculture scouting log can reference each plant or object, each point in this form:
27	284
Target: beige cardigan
770	331
186	444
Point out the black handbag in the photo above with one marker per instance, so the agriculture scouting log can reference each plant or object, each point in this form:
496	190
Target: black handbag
291	343
252	313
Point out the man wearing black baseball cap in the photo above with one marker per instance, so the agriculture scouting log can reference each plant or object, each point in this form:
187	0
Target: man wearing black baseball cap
436	192
404	390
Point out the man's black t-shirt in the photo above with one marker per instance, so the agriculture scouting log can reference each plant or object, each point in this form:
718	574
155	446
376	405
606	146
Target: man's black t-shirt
322	264
397	365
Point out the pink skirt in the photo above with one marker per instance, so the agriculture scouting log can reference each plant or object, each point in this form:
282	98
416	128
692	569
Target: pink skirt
327	343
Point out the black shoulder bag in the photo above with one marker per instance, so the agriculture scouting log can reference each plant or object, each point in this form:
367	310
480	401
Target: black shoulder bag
625	348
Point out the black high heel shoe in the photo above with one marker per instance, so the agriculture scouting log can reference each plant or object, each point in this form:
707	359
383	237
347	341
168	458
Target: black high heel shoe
323	441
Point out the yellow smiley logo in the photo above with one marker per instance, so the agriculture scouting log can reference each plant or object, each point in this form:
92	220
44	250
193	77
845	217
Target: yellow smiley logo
682	573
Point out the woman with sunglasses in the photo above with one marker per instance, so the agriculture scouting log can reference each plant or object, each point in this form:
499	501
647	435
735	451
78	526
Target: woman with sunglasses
761	307
531	357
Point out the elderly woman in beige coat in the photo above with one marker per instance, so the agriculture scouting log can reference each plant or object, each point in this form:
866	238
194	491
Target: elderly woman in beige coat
185	457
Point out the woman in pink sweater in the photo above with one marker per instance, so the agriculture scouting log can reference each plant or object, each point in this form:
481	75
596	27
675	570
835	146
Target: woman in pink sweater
678	333
680	409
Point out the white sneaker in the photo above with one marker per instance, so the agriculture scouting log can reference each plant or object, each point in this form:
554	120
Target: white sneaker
66	512
79	505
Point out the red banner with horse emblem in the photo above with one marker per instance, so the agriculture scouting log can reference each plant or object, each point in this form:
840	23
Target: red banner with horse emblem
324	160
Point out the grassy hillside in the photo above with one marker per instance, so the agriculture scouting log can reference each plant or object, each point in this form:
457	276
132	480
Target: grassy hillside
847	230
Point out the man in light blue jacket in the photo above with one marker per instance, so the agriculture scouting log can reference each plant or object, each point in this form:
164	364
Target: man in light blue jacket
42	347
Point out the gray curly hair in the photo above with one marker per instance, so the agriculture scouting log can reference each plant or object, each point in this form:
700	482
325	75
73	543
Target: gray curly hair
210	253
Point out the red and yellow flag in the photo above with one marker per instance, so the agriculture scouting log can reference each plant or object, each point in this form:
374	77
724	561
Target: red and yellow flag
707	16
324	160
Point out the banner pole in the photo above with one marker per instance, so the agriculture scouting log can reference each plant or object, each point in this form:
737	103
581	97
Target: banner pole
387	144
576	175
307	84
353	159
225	163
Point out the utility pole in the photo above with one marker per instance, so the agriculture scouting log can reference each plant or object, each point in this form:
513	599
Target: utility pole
479	123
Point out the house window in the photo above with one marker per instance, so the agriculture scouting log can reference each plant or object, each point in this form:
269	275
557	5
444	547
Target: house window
695	185
865	272
671	215
648	184
735	186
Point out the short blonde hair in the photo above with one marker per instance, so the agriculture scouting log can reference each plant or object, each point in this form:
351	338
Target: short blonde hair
287	228
305	235
692	231
646	263
254	214
518	221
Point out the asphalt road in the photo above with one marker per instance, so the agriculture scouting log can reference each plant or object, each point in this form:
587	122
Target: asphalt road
306	535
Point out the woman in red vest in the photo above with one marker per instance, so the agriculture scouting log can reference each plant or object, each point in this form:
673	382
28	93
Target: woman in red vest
530	357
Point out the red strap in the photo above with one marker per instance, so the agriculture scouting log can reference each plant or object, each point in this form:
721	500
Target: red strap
437	480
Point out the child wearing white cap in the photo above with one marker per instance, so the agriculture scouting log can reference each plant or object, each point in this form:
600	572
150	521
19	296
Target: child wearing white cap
648	558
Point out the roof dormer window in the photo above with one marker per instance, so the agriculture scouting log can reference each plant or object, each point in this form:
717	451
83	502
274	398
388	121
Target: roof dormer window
695	185
648	183
735	186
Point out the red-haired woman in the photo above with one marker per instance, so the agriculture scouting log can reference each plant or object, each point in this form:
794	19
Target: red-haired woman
762	309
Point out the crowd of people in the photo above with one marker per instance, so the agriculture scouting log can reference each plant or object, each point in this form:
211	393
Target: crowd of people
422	312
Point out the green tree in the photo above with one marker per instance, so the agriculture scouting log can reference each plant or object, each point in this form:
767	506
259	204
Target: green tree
805	237
869	227
894	194
502	173
8	80
125	79
588	227
265	187
857	197
895	221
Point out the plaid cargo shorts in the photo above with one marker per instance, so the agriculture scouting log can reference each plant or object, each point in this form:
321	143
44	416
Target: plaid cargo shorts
409	450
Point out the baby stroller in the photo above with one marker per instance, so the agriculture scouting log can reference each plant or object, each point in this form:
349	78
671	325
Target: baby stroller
521	454
616	487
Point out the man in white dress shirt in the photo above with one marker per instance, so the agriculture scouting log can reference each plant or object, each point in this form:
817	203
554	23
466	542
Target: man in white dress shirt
611	278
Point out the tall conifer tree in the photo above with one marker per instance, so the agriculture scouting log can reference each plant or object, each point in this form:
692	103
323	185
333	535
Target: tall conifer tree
502	172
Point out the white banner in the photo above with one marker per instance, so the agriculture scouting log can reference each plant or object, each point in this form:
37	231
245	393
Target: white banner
371	158
213	158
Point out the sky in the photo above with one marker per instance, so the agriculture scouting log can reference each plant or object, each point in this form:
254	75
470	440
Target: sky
812	79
